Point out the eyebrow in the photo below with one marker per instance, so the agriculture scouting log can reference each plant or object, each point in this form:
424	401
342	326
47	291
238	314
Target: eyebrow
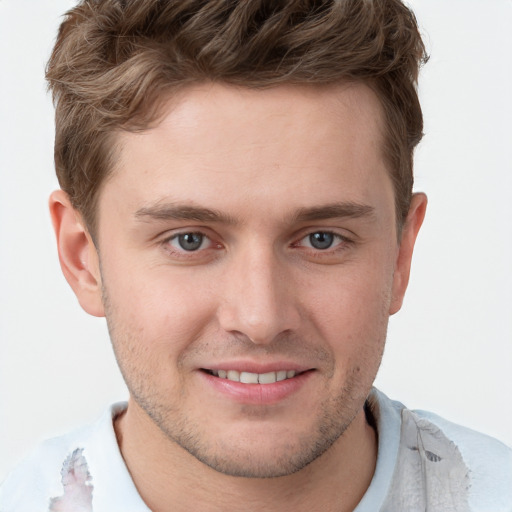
182	212
335	211
164	212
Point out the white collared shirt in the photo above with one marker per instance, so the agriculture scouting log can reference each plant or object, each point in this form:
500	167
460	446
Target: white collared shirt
424	464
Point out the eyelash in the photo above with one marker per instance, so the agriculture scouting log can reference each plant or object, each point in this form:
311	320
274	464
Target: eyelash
339	243
183	253
337	240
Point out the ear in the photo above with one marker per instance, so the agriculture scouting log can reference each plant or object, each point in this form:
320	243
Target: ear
77	254
404	257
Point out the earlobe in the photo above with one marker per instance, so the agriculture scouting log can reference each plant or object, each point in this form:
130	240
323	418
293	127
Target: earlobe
77	253
403	262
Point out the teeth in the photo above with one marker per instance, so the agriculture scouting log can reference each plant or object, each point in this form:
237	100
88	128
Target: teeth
281	375
249	378
267	378
233	375
255	378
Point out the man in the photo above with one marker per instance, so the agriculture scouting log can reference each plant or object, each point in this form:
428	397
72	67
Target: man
237	201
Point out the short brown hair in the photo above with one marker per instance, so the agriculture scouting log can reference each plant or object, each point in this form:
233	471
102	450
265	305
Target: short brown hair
114	60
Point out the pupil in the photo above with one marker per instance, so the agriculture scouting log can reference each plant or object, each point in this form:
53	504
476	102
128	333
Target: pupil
321	240
190	241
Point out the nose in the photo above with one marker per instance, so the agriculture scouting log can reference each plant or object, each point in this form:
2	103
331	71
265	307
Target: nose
258	297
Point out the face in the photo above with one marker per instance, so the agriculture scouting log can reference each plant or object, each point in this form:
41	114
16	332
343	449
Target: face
248	256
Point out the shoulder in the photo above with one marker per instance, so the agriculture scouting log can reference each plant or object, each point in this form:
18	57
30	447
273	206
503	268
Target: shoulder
38	478
448	459
489	462
62	468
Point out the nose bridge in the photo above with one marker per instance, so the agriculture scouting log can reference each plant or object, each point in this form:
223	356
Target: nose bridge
257	302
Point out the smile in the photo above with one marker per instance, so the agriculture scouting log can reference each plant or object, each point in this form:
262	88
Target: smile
254	378
259	388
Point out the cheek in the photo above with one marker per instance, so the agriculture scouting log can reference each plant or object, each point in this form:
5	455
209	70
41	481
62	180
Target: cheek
155	307
151	327
351	310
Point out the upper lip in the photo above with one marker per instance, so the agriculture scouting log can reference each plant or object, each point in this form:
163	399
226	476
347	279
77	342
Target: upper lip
254	367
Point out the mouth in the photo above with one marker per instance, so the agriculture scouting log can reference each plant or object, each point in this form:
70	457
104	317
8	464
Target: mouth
254	378
264	387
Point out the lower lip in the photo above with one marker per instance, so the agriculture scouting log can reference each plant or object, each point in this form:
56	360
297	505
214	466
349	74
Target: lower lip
257	394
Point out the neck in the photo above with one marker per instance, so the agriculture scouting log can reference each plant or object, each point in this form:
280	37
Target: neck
164	473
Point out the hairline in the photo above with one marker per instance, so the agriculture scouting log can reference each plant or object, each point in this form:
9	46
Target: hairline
159	106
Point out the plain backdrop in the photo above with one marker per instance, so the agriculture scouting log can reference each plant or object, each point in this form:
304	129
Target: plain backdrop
449	349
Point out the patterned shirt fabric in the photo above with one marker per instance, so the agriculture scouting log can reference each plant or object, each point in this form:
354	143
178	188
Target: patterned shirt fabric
424	463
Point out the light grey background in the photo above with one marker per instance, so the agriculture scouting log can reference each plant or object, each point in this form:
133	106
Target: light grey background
449	349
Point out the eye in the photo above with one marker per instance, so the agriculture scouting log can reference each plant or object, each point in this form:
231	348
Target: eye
189	241
322	240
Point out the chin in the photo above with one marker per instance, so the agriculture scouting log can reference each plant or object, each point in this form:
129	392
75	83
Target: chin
273	462
250	451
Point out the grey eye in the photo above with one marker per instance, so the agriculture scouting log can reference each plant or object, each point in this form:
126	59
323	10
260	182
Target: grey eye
321	240
190	241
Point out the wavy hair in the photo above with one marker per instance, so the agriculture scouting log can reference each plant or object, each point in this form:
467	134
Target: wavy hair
115	60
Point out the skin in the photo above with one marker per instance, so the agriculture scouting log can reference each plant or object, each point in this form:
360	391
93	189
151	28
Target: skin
271	168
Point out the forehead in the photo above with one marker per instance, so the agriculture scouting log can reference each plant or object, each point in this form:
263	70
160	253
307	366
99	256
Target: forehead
226	147
209	117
